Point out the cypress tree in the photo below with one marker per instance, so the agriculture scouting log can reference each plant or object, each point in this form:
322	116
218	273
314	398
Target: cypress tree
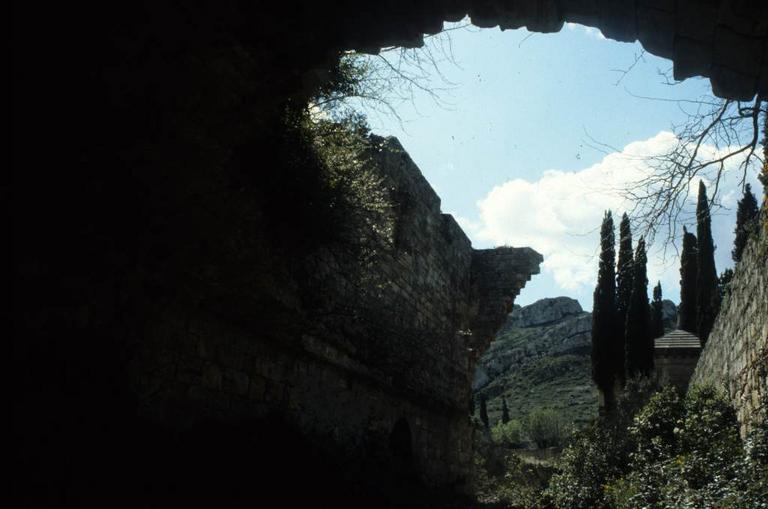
724	281
483	411
623	293
639	347
604	312
708	293
657	318
504	411
746	215
472	404
687	316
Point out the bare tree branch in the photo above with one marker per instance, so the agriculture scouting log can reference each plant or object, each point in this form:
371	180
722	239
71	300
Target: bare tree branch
719	136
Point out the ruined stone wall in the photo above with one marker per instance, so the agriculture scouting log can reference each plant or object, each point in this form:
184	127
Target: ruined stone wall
736	354
404	348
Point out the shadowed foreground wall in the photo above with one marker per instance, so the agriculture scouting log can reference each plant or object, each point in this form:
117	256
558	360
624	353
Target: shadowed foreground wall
350	372
736	354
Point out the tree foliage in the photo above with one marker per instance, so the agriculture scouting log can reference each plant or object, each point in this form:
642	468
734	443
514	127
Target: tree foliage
484	411
604	309
746	216
639	345
674	453
508	434
707	291
719	136
624	274
504	411
657	315
688	317
545	428
724	282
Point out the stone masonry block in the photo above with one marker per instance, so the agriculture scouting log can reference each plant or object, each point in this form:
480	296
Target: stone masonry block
618	19
738	52
655	30
729	83
696	19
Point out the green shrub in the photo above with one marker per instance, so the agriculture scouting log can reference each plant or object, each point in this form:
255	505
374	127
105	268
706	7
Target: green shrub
656	426
545	428
518	486
674	453
508	434
595	456
688	454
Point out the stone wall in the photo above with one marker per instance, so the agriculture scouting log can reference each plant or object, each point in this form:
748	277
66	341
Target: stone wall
350	368
736	354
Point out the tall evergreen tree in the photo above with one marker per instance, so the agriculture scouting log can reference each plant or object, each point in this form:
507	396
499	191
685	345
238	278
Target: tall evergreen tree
657	315
504	411
746	216
707	291
604	312
639	347
483	411
623	293
724	281
689	268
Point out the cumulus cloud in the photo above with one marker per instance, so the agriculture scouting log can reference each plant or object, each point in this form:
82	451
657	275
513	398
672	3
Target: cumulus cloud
559	215
590	31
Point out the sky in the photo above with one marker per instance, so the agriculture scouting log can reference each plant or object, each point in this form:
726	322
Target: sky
516	147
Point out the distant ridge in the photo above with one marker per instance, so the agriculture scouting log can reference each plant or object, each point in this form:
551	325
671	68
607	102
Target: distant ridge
541	358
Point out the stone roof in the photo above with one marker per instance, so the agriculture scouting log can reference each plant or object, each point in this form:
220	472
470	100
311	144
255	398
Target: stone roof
678	339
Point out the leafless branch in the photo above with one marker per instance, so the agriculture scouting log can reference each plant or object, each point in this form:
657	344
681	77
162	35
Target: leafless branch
624	72
719	137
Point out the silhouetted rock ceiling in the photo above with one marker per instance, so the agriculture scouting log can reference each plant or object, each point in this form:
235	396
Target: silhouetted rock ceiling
726	41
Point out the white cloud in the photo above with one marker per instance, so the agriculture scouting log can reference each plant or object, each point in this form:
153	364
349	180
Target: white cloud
590	31
559	215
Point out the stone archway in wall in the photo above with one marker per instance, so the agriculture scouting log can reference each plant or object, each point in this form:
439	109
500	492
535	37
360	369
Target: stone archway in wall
724	40
401	447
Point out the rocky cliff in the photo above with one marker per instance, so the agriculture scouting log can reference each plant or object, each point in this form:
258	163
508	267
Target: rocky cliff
541	357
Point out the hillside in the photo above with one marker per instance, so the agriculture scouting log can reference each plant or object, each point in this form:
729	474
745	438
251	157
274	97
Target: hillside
541	358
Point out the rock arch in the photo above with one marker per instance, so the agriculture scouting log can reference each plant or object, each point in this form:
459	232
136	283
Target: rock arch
725	40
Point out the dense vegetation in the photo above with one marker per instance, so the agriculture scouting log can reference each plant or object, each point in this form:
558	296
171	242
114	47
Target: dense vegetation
663	451
688	270
708	295
604	310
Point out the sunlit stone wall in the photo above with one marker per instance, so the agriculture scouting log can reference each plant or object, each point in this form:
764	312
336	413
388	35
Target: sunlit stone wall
736	355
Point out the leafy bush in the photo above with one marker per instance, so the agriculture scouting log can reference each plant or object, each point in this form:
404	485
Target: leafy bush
674	453
688	454
593	458
545	428
508	434
518	485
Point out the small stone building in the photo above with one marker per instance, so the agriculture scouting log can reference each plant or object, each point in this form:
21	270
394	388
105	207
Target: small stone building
675	356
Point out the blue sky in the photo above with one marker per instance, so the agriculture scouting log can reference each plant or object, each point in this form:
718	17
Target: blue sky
509	150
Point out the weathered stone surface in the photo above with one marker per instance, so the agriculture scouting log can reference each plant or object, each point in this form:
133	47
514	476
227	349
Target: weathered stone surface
736	354
544	311
675	355
683	30
403	347
540	357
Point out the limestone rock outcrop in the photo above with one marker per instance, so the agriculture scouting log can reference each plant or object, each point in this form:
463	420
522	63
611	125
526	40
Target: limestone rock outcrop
544	311
541	357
